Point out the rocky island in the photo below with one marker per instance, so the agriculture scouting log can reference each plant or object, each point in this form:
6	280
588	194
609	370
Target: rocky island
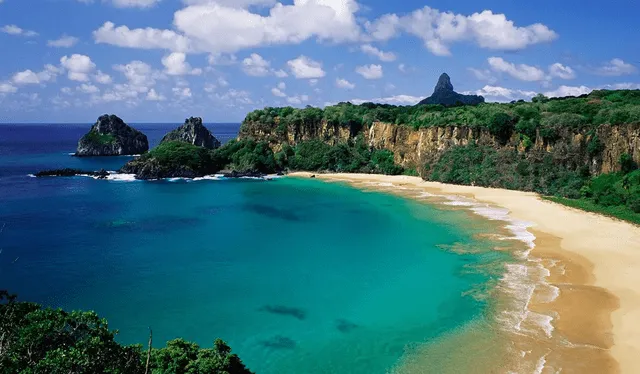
193	132
185	152
111	136
446	96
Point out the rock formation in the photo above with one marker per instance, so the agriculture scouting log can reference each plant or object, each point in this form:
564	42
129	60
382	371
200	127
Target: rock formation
110	136
445	95
193	132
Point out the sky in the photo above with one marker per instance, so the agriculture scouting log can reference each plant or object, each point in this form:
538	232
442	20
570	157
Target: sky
165	60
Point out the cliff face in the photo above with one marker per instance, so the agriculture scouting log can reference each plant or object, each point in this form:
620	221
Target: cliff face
193	132
416	148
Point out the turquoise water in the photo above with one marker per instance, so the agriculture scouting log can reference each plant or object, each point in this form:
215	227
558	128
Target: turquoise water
296	275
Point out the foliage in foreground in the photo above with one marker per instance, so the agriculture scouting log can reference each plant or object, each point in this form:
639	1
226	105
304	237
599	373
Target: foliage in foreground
44	340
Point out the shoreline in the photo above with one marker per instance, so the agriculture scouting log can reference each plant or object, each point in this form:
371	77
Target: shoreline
591	260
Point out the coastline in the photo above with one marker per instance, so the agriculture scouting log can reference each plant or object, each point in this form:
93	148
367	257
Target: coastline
588	260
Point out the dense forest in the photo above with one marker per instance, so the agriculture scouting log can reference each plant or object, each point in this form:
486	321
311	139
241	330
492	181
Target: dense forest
44	340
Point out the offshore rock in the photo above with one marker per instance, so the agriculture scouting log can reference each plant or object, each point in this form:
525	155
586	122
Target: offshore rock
193	132
110	136
444	94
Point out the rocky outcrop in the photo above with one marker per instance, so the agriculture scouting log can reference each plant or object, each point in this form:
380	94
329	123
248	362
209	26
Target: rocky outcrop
101	174
444	94
152	169
110	136
193	132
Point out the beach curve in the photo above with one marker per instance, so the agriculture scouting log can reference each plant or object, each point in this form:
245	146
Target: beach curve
591	258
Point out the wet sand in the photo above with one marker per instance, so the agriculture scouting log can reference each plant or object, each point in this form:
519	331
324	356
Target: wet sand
584	272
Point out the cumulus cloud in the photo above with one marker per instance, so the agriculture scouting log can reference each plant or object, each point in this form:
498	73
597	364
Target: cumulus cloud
483	75
6	87
182	92
65	41
561	71
140	76
522	72
176	64
616	67
563	91
78	67
256	66
48	74
278	92
147	38
127	3
280	73
152	95
87	88
370	71
438	30
101	77
222	59
297	100
343	83
373	51
305	68
502	94
395	100
15	30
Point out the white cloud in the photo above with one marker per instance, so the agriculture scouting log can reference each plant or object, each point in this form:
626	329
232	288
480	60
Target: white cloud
616	67
278	92
66	90
305	68
152	95
280	73
182	92
282	86
147	38
297	100
256	66
222	59
232	3
6	87
140	76
522	72
343	83
222	82
49	74
402	68
176	64
373	51
78	67
395	100
103	78
88	88
65	41
234	97
15	30
370	71
438	30
313	82
502	94
561	71
563	91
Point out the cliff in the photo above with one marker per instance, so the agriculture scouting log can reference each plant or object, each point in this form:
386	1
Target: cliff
443	94
193	132
110	136
415	148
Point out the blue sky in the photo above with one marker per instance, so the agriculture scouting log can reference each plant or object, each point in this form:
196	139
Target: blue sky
164	60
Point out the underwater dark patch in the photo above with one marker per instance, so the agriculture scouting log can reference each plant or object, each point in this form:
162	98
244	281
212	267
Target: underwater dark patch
285	311
279	342
272	212
345	326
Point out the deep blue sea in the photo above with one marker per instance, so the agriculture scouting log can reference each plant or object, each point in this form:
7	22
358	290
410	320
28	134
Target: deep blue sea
297	275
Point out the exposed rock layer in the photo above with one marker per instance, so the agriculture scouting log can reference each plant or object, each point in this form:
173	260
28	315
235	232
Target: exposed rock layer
110	136
193	132
444	94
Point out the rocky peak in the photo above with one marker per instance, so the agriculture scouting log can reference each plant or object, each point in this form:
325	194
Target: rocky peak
444	84
444	94
111	136
193	132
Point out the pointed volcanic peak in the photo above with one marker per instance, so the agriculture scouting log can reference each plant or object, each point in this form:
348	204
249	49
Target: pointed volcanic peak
111	136
193	132
444	94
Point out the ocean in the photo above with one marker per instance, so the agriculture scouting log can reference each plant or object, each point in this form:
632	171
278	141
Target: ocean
297	275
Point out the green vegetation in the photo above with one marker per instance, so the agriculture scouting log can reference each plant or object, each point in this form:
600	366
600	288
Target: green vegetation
542	114
179	154
97	138
619	212
43	340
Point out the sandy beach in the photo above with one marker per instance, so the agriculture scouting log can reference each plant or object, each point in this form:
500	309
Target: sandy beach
592	260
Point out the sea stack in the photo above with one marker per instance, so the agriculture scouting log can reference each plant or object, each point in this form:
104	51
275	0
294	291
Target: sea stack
445	95
110	136
193	132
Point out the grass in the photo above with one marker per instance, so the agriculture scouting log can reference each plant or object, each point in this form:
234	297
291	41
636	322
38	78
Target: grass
619	212
98	138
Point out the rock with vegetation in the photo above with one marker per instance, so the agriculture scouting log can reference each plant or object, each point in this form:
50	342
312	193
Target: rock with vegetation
446	96
110	136
43	340
193	132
